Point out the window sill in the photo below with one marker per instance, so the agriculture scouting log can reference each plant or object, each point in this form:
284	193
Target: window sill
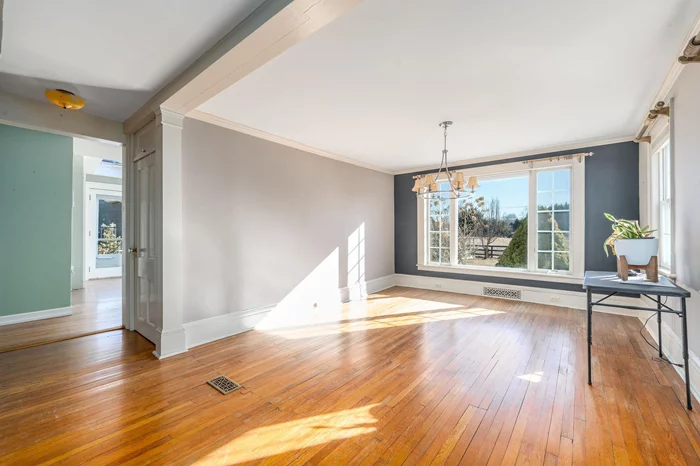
493	272
667	273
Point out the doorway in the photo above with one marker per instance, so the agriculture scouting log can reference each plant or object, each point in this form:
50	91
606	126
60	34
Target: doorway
63	209
104	231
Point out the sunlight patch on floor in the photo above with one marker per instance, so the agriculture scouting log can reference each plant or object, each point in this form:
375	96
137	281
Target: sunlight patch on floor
382	322
535	377
276	439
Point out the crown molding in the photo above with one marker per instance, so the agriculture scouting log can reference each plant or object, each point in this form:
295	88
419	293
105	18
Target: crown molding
536	151
672	75
228	124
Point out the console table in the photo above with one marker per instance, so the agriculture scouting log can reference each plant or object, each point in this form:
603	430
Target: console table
608	283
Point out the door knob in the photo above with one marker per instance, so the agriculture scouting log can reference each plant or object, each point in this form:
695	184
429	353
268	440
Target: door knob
133	250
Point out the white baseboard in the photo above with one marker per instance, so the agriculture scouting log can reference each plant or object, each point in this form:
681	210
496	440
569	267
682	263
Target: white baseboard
36	315
171	342
672	345
363	289
563	298
215	328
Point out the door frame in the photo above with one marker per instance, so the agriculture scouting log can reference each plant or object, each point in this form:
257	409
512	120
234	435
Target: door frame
90	253
129	208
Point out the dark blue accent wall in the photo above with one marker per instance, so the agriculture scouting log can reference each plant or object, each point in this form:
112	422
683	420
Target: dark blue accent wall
612	185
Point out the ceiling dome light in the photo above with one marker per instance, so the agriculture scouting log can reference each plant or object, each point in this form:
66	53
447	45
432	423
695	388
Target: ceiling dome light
65	99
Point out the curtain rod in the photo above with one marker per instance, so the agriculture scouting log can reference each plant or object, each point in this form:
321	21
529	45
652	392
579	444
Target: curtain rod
659	109
578	156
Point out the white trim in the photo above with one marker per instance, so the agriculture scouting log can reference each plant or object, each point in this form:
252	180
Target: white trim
673	345
511	155
215	328
224	123
31	114
169	256
362	290
36	315
228	124
170	343
90	270
129	297
501	272
562	298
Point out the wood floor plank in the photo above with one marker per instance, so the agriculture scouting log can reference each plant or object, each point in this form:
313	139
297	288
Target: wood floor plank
96	308
405	377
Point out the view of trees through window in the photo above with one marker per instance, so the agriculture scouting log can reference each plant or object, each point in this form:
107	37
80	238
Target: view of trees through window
492	223
488	222
109	239
553	223
489	226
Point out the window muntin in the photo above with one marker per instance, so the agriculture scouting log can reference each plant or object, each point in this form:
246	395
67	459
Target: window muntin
554	220
439	209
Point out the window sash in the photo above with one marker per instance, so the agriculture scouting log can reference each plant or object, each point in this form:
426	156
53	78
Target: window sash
662	202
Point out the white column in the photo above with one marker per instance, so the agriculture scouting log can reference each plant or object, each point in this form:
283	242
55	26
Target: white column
169	150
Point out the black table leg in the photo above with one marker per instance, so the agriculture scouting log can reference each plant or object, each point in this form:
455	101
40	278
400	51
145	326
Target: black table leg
589	312
658	319
686	366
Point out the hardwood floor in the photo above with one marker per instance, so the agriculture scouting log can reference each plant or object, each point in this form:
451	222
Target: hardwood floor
410	377
96	308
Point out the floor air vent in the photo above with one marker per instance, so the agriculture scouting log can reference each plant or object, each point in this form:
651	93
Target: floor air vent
505	293
224	384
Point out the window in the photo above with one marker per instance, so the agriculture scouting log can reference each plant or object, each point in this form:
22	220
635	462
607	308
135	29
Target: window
661	197
521	219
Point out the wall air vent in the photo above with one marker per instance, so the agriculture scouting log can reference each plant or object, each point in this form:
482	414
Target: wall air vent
505	293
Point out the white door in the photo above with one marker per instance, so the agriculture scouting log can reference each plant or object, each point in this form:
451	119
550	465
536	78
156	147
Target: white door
104	231
147	317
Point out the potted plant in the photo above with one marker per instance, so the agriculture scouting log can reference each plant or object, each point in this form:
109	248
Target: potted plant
629	239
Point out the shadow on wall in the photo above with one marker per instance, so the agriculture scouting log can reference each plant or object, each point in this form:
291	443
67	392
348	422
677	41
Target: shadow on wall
318	297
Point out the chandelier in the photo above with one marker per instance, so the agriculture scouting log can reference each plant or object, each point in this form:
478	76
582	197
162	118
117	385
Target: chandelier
428	186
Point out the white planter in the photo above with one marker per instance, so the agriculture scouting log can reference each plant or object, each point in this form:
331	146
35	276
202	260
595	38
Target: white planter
637	251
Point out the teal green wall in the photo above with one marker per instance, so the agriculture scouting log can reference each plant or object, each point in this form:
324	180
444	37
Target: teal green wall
35	220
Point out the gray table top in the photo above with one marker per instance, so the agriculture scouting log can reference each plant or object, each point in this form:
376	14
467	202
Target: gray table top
608	281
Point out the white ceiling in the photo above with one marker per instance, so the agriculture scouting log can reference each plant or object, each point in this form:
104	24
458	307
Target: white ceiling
513	75
115	54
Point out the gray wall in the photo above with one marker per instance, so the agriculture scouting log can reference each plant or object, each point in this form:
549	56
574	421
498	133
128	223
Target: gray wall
612	185
263	221
685	150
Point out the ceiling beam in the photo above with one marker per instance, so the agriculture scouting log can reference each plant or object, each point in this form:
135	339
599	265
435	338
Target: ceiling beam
26	113
271	29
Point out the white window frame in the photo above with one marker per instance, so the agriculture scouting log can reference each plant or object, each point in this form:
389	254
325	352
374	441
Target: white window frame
661	193
576	219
